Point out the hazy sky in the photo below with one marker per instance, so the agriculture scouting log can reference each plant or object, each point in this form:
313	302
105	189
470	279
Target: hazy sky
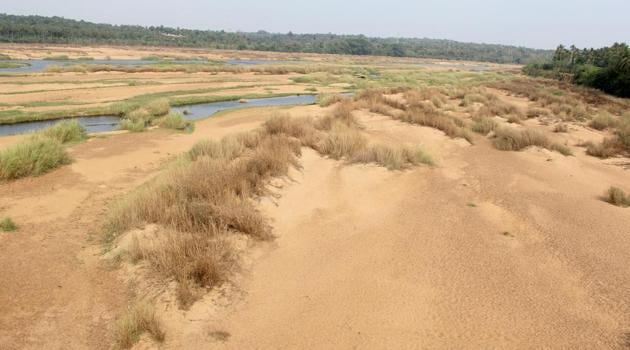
532	23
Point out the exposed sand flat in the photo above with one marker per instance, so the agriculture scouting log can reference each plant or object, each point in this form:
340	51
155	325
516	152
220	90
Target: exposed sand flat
374	259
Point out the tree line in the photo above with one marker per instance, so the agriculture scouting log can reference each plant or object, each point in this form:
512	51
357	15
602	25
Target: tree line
607	68
38	29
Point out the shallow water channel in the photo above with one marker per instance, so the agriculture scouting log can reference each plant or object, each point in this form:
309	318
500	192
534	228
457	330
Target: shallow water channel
105	123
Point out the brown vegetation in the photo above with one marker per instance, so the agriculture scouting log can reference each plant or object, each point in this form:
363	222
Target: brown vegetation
510	139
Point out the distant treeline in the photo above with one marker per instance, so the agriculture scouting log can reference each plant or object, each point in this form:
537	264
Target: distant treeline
38	29
607	69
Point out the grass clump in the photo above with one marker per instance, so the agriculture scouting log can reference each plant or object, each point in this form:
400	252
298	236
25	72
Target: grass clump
199	201
609	147
509	139
325	100
561	128
158	107
138	320
8	225
392	158
132	125
483	125
618	197
174	121
36	156
65	131
603	121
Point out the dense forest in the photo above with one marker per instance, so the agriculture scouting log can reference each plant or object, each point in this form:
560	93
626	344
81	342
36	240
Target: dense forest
38	29
607	69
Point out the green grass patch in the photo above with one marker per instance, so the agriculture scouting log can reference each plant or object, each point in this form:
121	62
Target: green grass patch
7	225
36	156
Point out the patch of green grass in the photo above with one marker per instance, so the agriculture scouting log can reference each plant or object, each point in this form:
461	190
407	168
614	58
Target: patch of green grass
36	156
8	225
137	125
57	58
9	64
174	121
65	132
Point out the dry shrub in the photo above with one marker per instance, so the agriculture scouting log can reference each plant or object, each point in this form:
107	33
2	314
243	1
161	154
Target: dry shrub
513	119
302	129
393	158
341	141
603	120
325	100
535	112
509	139
202	197
417	96
606	149
138	320
483	125
618	197
426	115
558	128
471	98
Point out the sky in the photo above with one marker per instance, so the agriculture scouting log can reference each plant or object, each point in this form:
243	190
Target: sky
532	23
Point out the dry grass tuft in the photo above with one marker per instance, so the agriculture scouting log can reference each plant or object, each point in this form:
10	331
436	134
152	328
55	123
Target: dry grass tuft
606	149
325	100
483	125
426	115
138	320
560	128
618	197
341	141
509	139
603	120
392	158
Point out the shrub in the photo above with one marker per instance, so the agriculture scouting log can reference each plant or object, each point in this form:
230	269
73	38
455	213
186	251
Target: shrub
606	149
300	128
514	119
483	125
8	225
132	125
534	112
603	121
158	107
65	131
228	148
325	100
618	197
427	116
341	142
138	320
509	139
139	114
561	128
33	157
393	158
204	196
174	121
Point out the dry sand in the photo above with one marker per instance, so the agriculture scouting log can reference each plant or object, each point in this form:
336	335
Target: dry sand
488	249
